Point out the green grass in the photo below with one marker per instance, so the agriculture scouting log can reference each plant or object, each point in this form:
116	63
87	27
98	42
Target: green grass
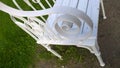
19	50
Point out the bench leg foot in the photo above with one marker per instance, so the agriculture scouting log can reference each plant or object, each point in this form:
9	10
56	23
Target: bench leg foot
55	53
103	9
100	60
52	51
98	54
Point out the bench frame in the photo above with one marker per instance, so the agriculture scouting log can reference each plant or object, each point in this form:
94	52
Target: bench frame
91	44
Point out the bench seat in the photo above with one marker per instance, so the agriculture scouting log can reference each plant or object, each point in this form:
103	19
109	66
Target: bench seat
90	7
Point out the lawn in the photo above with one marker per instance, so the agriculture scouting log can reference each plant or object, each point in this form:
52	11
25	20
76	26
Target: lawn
19	50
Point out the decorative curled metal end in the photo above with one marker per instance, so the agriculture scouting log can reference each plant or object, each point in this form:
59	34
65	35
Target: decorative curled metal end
67	26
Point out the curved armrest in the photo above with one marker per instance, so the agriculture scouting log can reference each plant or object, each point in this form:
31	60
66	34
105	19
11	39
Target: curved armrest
54	10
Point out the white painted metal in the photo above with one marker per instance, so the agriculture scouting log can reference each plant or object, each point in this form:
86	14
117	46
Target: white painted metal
29	4
103	9
69	22
48	3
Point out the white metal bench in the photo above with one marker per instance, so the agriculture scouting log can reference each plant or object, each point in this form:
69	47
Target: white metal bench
69	22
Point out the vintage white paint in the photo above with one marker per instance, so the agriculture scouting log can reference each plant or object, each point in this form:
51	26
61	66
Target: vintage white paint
70	22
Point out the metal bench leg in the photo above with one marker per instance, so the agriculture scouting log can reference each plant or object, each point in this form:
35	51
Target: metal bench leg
103	9
52	51
98	55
